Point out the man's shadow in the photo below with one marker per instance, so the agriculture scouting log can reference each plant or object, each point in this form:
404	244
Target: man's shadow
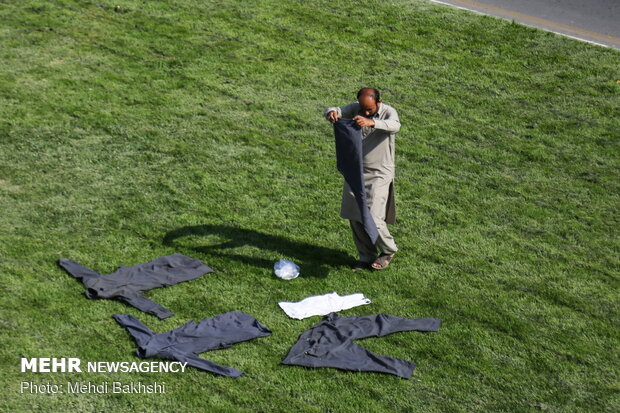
315	261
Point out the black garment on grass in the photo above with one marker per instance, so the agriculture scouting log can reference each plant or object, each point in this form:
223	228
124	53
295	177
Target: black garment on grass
349	160
330	343
186	342
127	283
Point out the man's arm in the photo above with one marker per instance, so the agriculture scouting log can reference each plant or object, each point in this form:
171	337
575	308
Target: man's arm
391	123
334	113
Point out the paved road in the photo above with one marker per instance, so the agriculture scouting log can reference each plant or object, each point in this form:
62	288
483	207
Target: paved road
596	21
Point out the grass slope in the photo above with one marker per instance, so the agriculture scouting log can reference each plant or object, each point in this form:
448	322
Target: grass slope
195	127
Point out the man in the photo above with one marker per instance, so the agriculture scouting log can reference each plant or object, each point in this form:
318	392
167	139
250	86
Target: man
379	123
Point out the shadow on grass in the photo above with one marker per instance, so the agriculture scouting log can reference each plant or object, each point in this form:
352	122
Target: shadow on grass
315	261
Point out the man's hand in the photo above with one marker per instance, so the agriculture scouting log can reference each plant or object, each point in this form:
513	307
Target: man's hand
362	121
333	116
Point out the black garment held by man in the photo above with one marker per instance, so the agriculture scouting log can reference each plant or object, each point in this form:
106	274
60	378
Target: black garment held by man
330	343
127	283
350	164
186	342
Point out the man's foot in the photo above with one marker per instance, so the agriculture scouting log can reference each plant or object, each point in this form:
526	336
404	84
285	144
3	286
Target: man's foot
360	265
382	261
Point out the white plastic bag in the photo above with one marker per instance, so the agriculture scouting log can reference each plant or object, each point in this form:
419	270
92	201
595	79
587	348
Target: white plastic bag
285	269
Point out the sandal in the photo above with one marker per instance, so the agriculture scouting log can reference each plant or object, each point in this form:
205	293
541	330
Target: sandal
382	262
360	265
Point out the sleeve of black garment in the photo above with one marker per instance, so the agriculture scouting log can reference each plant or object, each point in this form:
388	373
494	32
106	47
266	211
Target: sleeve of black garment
77	270
144	304
384	324
207	365
138	331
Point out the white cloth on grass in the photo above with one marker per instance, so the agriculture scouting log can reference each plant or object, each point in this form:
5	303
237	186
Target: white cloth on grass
322	305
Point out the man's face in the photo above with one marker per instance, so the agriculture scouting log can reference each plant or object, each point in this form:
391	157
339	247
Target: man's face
368	106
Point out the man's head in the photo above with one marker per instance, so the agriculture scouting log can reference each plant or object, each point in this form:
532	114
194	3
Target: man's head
369	99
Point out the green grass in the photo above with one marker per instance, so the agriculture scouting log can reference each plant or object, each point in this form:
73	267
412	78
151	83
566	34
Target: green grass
195	127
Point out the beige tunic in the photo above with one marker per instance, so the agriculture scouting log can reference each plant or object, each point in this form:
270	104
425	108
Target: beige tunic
378	144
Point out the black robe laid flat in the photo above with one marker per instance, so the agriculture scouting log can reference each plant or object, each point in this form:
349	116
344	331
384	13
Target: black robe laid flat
330	343
186	342
127	283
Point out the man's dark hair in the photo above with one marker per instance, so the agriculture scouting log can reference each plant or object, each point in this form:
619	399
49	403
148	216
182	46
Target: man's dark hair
369	91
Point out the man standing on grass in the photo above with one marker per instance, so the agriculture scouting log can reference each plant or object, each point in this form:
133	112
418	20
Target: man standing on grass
379	123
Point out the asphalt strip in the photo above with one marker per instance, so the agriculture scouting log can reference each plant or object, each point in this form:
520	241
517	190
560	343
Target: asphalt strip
548	25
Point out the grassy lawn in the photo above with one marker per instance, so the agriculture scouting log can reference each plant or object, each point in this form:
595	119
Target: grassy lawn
195	127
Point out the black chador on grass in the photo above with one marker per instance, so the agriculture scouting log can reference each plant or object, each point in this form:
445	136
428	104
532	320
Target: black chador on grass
330	343
186	342
127	283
